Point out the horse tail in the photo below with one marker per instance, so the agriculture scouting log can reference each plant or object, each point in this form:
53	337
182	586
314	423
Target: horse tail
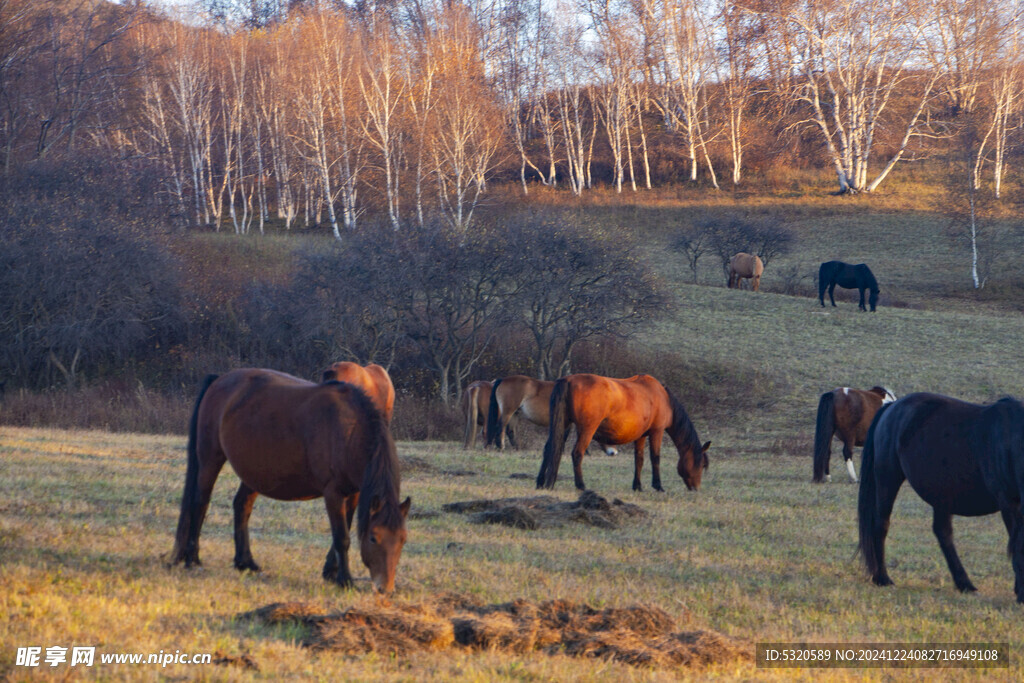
558	431
824	429
188	496
867	507
493	413
824	278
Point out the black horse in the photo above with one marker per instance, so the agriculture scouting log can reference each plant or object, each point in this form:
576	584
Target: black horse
860	277
961	458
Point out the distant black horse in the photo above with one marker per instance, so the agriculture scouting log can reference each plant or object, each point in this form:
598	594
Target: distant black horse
961	458
834	273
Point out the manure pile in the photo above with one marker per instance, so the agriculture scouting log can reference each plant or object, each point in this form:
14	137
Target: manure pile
639	635
538	512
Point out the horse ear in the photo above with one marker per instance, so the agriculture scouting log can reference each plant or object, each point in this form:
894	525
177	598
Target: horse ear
404	507
375	505
705	447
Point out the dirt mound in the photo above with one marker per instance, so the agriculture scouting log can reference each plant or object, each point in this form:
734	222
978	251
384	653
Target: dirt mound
639	635
538	512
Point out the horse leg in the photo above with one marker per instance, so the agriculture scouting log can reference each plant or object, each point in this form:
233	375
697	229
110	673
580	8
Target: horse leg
584	436
638	462
244	500
831	291
504	422
755	283
861	305
848	457
338	514
510	433
331	562
1014	521
942	525
656	461
208	473
885	498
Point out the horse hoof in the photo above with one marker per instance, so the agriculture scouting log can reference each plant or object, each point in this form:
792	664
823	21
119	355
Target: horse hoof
248	565
346	584
882	581
967	588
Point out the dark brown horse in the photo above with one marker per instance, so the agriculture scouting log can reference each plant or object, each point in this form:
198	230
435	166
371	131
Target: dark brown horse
618	411
294	440
961	458
847	413
860	277
525	396
744	266
372	379
475	403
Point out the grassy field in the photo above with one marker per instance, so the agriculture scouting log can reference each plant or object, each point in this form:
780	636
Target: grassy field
759	553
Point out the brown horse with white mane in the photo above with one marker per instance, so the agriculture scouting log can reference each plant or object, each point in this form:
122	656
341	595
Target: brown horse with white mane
474	405
372	379
525	396
290	439
618	411
848	413
744	266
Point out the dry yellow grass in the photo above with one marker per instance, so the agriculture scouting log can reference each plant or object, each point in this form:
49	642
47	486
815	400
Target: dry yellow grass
758	554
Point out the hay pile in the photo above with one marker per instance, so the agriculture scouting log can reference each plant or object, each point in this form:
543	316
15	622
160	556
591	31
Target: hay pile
538	512
639	635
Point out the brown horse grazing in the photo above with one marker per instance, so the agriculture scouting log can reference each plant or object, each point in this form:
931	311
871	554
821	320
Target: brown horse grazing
529	397
294	440
745	266
847	412
372	379
475	402
619	411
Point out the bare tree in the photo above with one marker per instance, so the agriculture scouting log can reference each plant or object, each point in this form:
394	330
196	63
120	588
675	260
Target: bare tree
383	84
465	133
848	60
685	73
575	284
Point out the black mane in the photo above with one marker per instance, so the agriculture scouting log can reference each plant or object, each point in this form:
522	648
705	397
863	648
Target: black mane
382	476
682	429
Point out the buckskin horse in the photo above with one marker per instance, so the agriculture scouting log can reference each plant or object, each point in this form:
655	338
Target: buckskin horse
744	266
290	439
618	411
372	379
475	402
860	277
961	458
848	413
526	396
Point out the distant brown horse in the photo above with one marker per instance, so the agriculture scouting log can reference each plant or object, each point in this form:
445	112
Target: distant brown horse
475	402
745	266
848	413
372	379
290	439
618	411
526	396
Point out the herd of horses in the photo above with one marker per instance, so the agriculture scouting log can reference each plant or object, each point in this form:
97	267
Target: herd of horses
292	439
